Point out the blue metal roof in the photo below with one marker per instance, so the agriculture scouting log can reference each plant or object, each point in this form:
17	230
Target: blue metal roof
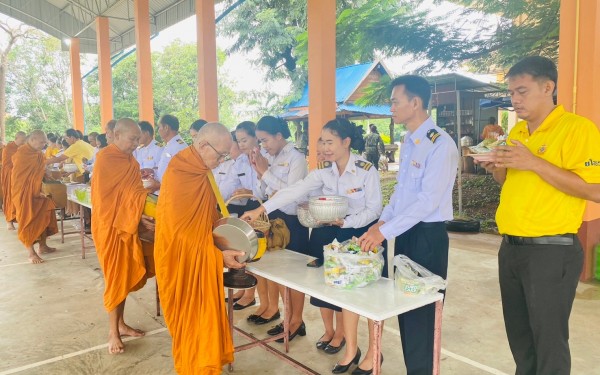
377	110
347	79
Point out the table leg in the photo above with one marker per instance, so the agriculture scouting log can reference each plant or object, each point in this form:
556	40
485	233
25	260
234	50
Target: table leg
437	338
62	225
287	310
157	299
230	316
377	332
82	224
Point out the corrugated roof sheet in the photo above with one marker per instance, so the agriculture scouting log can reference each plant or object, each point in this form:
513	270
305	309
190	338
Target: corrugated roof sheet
347	79
76	18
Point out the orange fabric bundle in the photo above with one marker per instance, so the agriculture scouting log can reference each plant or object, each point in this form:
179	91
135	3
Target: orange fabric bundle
7	166
34	211
118	199
189	268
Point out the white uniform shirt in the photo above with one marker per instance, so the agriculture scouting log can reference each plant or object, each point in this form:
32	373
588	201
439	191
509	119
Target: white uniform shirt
248	176
359	182
148	156
226	179
285	169
171	149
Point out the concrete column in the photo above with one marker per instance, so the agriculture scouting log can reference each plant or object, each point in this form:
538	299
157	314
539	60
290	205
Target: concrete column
321	70
208	97
104	70
76	86
144	60
578	91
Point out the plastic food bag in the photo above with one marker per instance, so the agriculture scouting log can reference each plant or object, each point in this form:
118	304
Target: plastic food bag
347	267
412	278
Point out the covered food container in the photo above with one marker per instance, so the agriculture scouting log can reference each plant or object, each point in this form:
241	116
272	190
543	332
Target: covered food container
328	208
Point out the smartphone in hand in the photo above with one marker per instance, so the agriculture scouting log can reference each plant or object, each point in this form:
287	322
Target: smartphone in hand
315	263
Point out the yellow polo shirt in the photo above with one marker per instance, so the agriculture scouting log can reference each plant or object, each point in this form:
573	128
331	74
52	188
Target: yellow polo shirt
531	207
79	151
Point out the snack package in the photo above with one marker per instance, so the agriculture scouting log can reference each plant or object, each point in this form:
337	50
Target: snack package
347	267
414	279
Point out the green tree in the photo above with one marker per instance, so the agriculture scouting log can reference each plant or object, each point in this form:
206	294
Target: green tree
39	82
524	27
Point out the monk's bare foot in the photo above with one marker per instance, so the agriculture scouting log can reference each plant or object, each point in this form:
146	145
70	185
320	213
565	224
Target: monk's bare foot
46	249
125	330
115	345
35	259
10	226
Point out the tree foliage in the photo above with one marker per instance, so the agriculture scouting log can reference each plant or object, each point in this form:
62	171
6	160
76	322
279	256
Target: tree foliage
389	28
524	27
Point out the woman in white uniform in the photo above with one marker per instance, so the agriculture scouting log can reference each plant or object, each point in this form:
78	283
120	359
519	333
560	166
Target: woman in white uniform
279	166
343	174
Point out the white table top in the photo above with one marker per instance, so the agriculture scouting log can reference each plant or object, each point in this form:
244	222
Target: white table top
377	301
75	200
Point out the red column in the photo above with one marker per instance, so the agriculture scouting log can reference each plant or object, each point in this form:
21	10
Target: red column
144	60
321	70
76	86
104	70
208	97
578	91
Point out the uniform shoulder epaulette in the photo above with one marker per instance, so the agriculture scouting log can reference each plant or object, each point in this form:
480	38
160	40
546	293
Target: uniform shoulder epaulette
180	141
160	144
433	135
363	164
324	164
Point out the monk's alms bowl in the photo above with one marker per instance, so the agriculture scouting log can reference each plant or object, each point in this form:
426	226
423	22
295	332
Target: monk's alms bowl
232	233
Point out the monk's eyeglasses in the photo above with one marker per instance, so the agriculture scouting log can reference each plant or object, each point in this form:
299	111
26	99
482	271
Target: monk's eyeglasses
223	157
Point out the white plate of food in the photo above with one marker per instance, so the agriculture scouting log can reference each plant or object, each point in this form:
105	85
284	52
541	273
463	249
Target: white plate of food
483	157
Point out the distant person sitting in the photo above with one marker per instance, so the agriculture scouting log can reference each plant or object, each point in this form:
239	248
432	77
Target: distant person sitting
492	130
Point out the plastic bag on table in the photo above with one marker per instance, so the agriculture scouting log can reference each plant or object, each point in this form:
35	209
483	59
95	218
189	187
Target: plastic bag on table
412	278
347	267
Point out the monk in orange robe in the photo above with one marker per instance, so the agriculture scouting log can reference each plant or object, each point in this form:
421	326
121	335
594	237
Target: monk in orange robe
7	165
118	199
34	211
189	267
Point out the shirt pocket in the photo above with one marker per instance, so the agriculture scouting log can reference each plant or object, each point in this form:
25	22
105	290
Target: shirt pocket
415	181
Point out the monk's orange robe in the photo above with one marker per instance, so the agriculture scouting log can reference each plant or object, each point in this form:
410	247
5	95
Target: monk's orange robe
34	212
189	268
7	165
118	199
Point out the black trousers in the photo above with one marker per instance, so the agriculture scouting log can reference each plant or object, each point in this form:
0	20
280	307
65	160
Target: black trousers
426	244
537	284
373	159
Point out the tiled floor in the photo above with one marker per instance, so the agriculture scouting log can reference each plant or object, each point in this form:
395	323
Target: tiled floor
52	320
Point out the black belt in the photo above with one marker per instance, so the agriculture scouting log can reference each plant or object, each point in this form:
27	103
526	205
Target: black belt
561	239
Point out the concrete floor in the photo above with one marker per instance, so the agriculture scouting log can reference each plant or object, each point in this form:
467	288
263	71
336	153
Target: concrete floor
53	322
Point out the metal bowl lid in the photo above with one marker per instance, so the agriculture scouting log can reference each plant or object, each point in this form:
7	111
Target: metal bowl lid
231	233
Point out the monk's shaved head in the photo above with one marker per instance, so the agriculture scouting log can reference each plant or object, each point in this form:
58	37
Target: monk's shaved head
127	135
37	139
213	143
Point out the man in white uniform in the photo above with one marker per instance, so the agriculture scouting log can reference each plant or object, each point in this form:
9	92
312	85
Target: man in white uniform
149	152
168	129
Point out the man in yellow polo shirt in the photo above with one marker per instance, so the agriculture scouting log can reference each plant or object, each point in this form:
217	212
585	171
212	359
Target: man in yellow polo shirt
79	151
549	167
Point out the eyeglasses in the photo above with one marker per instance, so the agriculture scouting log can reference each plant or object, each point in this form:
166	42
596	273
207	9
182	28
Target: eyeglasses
223	157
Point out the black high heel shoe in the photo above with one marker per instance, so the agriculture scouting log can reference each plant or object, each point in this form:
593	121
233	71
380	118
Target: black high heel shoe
340	369
260	320
300	331
329	349
359	371
322	344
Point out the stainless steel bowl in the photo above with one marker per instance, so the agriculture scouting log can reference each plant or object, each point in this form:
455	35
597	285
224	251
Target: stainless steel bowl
231	233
